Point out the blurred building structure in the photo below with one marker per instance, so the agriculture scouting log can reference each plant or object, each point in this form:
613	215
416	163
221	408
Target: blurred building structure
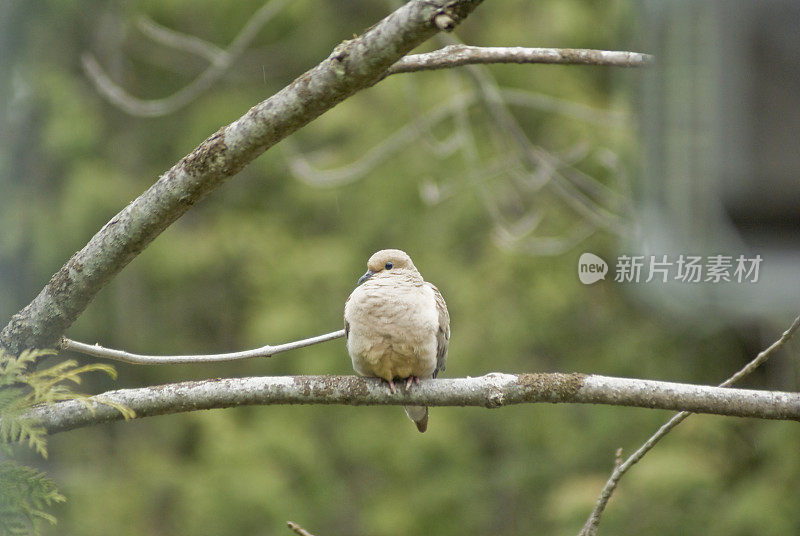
720	128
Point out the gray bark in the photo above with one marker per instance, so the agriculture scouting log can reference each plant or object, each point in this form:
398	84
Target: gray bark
491	391
456	55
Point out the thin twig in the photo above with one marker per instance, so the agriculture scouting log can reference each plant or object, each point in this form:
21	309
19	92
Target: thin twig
302	168
119	355
618	458
590	527
221	61
297	529
548	103
180	41
571	191
458	55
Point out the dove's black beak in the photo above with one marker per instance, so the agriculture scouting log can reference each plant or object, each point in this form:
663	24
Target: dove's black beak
366	276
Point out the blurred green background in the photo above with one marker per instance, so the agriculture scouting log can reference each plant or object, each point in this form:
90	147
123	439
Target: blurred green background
271	256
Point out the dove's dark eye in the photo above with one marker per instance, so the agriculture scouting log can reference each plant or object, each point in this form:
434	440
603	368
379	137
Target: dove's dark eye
388	265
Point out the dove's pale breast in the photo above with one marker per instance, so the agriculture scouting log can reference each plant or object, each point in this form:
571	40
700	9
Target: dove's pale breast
393	324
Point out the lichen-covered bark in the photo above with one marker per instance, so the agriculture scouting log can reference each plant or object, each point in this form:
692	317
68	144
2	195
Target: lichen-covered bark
491	391
354	65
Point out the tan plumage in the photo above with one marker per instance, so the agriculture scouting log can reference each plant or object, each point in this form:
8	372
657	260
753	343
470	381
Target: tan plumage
397	325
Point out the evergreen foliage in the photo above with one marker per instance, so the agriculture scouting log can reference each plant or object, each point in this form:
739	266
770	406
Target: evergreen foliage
26	492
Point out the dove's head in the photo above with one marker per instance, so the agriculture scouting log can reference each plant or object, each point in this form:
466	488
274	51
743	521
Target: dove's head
388	261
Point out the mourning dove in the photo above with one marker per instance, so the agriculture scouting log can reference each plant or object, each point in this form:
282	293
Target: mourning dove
397	325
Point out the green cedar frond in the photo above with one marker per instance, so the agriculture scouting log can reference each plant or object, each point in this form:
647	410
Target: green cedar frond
12	368
127	411
9	396
14	429
20	389
24	492
47	384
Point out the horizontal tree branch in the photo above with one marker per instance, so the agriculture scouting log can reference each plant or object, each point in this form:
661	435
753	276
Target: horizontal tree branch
96	350
458	55
353	65
491	391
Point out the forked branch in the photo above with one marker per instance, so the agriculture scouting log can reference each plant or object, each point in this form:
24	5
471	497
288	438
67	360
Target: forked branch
590	527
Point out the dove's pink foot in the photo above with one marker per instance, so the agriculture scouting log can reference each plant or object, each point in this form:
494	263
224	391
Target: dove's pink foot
411	380
391	386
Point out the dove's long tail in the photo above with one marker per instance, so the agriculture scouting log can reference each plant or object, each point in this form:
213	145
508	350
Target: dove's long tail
418	414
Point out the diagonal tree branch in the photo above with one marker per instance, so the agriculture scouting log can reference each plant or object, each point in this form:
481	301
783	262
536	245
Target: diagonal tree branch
490	391
354	65
620	468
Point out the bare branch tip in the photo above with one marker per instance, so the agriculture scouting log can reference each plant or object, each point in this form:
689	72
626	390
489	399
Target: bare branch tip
297	529
617	459
444	22
792	329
